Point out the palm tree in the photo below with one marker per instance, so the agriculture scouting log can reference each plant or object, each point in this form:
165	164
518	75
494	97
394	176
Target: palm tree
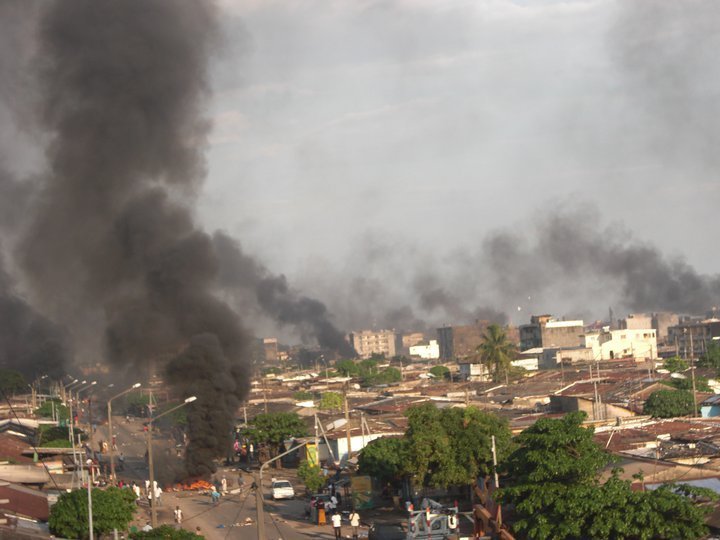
496	351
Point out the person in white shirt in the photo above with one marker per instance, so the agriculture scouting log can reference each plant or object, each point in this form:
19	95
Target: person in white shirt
354	523
178	515
336	523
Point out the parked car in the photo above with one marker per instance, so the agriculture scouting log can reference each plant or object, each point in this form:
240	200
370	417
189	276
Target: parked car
282	489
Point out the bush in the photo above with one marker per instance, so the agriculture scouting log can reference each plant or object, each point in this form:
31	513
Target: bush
311	476
675	364
113	508
440	372
669	403
46	410
330	401
303	395
165	532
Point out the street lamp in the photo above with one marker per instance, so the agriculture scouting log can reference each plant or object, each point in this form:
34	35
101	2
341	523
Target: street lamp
151	470
89	490
110	428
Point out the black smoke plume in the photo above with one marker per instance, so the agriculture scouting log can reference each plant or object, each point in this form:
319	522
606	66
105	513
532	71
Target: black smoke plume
110	250
308	316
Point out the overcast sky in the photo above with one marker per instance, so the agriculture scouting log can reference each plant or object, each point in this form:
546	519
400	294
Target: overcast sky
357	138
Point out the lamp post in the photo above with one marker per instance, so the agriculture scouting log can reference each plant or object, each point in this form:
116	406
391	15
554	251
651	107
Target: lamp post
259	498
89	490
110	428
151	469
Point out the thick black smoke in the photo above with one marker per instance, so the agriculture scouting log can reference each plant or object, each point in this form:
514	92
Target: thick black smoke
110	251
29	342
309	316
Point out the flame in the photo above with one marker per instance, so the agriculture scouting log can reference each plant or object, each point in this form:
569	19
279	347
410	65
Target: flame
193	485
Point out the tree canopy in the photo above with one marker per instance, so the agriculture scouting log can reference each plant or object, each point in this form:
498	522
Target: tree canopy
12	382
496	351
669	403
275	428
331	401
113	508
675	364
384	459
440	372
311	475
452	446
553	484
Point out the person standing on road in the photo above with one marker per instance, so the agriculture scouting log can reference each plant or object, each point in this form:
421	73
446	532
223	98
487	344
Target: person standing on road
223	485
337	523
178	515
354	523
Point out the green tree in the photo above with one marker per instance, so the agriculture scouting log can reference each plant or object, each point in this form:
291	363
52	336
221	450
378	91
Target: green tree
312	476
453	446
274	429
711	358
113	508
384	459
331	401
303	395
12	382
53	405
165	532
669	403
347	368
496	352
386	376
440	372
675	364
553	484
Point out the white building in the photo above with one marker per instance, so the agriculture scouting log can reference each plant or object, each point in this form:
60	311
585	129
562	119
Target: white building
626	343
431	351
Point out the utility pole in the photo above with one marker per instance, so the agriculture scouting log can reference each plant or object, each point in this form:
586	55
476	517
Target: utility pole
497	479
347	422
259	504
692	374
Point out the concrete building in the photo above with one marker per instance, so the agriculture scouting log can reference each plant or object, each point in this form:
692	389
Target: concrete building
661	322
410	340
461	341
429	351
626	343
270	349
635	321
544	331
369	342
691	337
473	372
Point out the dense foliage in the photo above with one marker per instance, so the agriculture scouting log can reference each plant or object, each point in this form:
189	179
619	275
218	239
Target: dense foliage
62	413
675	364
368	371
441	447
274	429
12	382
113	508
331	401
312	476
440	372
669	403
554	488
165	532
711	358
384	459
303	395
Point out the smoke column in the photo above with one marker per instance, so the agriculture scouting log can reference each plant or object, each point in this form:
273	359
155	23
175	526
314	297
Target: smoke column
111	251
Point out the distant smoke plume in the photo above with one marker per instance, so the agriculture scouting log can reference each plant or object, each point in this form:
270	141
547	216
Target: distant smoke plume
308	316
570	255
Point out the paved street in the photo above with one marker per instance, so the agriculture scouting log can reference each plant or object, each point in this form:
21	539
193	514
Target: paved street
225	519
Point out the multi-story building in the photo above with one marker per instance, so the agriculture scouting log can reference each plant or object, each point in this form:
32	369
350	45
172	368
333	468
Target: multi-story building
270	348
636	321
544	331
410	340
426	351
369	342
662	322
624	343
691	337
461	341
